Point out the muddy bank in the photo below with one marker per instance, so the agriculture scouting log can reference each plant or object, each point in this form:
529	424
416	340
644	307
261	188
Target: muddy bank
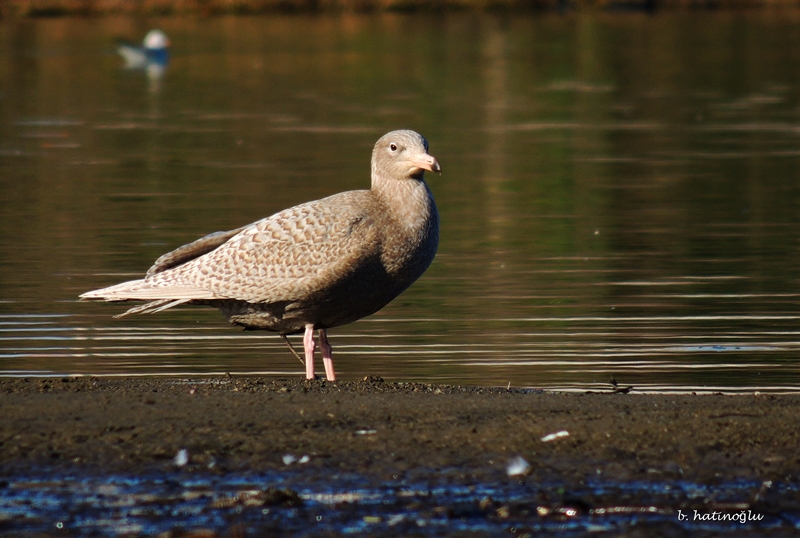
260	456
388	429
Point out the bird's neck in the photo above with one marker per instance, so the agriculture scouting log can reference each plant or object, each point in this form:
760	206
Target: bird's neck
408	200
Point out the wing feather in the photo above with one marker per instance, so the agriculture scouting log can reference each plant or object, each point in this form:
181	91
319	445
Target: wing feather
192	250
288	256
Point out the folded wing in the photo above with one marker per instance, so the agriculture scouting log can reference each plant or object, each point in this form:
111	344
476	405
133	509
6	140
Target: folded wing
291	255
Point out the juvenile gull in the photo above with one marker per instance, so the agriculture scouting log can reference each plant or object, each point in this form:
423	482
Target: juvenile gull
317	265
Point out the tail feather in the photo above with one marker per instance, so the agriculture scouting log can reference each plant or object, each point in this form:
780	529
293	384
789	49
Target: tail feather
159	298
152	307
145	290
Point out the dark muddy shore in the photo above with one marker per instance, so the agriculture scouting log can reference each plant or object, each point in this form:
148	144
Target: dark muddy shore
393	434
249	423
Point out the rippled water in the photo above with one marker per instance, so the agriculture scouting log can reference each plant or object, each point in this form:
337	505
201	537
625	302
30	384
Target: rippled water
619	199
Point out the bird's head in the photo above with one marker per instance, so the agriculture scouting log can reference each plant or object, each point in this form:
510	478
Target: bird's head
402	155
156	39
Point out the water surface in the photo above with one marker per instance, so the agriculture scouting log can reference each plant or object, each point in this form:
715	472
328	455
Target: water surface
620	195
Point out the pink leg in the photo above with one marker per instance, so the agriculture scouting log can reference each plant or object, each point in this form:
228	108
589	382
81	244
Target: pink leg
327	354
308	345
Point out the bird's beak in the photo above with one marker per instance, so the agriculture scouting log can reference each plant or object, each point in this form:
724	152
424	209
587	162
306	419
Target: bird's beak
427	162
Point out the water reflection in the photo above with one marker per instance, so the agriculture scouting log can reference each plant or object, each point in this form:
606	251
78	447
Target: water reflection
620	196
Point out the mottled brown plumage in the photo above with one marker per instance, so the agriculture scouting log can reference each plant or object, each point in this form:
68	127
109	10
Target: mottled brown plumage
313	266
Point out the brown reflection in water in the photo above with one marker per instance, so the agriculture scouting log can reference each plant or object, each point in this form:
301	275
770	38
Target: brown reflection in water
597	166
497	215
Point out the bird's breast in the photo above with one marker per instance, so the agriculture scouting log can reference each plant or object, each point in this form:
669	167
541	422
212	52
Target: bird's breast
411	244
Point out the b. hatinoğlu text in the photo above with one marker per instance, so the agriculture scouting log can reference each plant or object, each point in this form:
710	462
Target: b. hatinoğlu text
745	516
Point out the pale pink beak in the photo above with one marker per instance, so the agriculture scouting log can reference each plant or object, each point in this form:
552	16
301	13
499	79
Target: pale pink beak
427	162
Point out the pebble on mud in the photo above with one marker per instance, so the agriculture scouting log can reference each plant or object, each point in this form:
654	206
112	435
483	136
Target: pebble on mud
267	497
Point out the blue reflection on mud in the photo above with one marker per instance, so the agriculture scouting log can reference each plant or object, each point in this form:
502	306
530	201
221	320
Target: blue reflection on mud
304	504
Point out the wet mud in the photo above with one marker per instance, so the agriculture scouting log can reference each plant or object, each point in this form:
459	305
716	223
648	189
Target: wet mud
246	455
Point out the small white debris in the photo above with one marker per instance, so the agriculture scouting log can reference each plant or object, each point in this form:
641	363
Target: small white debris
553	436
366	432
542	511
518	466
395	519
289	459
181	458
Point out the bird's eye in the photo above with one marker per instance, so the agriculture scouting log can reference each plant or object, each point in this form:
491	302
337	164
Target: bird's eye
393	147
